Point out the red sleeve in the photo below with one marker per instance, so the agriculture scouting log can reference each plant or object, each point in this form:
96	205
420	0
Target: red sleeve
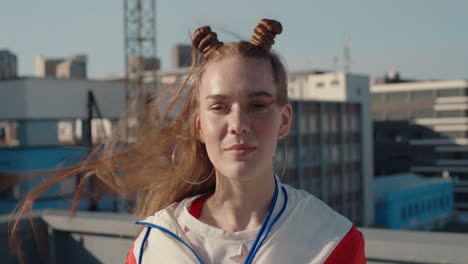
130	257
349	250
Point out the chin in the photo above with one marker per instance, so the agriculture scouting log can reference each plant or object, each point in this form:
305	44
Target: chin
241	172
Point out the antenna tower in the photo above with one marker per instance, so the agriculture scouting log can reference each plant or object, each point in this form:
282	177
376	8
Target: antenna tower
347	54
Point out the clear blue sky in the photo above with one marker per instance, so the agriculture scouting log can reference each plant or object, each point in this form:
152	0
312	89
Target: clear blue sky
425	39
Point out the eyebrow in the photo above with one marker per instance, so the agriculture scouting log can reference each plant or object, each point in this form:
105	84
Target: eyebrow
254	94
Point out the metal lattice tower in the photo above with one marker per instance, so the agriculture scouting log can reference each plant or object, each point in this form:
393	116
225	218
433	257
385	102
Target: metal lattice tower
140	57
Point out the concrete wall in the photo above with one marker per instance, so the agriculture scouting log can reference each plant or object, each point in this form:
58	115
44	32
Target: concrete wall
92	238
37	133
58	99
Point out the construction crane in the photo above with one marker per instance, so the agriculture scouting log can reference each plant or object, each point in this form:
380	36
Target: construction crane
141	64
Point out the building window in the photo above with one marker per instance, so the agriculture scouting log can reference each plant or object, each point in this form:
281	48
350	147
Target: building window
9	133
355	152
379	97
422	114
398	96
2	135
402	115
319	85
303	123
334	123
422	95
313	123
335	153
403	213
453	134
449	92
355	123
450	113
378	116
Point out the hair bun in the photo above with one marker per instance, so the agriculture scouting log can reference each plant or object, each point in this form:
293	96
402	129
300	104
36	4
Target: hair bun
265	32
205	40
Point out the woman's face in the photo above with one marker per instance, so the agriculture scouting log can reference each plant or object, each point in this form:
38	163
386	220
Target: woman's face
239	118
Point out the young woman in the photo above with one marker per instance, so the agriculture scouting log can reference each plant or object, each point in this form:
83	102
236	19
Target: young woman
204	181
236	111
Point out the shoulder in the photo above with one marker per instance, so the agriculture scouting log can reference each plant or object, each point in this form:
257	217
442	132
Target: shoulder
311	230
349	250
306	206
167	216
157	238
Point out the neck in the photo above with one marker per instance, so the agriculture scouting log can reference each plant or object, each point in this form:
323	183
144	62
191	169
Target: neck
239	205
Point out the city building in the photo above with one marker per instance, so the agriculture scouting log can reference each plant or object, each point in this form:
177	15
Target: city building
74	67
47	124
8	65
46	68
330	147
149	64
411	201
181	56
422	127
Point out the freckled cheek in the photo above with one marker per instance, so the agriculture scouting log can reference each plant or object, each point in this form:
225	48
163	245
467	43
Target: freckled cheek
265	130
213	130
267	123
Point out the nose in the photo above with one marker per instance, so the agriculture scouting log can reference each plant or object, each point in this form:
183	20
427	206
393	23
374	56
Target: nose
239	122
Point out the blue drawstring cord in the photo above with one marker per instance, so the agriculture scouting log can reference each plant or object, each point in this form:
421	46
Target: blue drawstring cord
255	250
265	223
258	240
140	257
172	235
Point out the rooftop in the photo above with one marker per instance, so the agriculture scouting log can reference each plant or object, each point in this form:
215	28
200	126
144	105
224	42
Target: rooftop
107	237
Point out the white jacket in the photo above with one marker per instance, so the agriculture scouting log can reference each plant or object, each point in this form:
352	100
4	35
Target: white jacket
306	231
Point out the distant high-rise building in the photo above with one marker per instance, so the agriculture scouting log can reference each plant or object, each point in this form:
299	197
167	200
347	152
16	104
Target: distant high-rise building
181	56
74	67
330	143
46	68
8	65
422	127
149	64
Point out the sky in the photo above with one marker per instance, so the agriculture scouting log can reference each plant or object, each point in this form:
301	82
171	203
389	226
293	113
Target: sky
422	39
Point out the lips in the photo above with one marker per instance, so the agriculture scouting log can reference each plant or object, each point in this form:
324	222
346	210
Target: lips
241	149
